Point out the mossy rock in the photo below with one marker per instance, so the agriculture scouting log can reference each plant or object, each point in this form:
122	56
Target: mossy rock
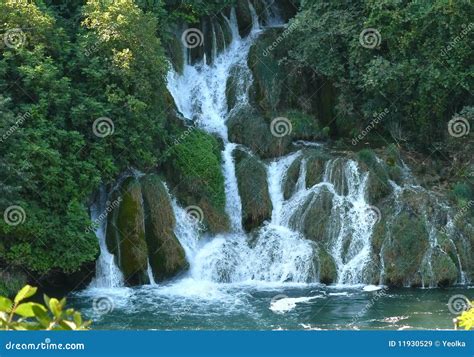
230	89
315	164
11	281
193	170
244	17
444	269
378	184
317	216
174	50
337	176
130	230
327	267
404	252
253	190
281	84
246	127
166	255
291	178
269	76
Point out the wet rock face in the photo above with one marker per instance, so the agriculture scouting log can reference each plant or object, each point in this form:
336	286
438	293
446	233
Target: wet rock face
141	230
253	190
166	255
248	128
127	234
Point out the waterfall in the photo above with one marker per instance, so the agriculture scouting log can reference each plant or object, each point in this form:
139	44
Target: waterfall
276	174
108	275
281	250
278	254
233	203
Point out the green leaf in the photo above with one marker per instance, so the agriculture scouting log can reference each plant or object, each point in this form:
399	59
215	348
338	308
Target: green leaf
25	293
26	309
46	299
77	318
42	315
55	307
67	325
5	304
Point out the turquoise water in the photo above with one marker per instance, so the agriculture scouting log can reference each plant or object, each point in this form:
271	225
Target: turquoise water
188	305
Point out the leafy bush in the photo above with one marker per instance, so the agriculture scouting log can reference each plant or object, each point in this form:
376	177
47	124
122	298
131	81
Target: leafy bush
466	320
21	315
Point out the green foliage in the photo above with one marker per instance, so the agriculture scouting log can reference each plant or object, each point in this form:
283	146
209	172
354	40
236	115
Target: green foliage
196	161
67	74
421	70
466	320
21	315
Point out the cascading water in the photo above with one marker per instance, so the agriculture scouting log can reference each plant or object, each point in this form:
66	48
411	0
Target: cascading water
108	275
278	252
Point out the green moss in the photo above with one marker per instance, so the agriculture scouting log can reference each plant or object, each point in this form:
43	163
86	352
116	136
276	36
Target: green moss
244	17
318	215
291	178
315	163
166	255
378	186
133	253
253	190
194	171
444	269
327	267
11	282
248	128
403	253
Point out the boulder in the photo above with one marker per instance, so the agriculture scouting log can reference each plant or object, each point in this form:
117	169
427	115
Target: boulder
253	190
166	255
129	233
291	178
